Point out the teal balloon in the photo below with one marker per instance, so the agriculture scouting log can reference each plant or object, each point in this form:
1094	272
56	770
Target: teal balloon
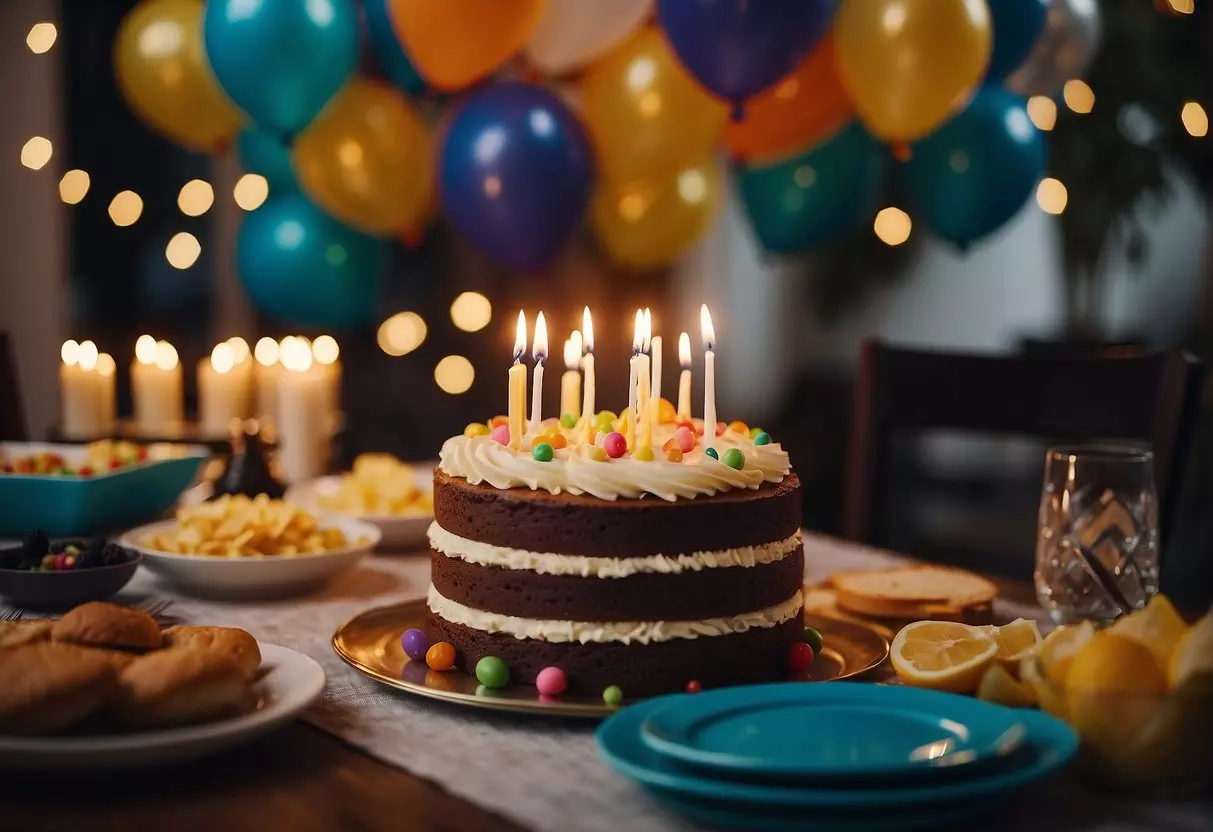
301	266
266	155
817	198
970	176
389	54
281	60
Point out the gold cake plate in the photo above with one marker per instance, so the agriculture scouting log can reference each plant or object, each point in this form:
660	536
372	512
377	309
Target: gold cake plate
370	643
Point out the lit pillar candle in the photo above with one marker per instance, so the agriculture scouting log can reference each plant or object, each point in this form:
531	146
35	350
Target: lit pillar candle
516	412
655	408
629	422
684	378
587	369
539	351
570	380
106	376
266	370
709	373
326	359
77	392
222	393
156	387
243	370
645	404
302	422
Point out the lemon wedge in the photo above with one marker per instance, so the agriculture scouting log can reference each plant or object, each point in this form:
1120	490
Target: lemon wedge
942	655
1113	688
1050	696
1193	653
1060	647
1001	688
1015	640
1156	626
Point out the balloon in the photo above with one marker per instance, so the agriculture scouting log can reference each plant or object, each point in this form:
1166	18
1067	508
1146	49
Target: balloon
162	71
282	60
737	48
646	115
802	110
973	174
454	43
1064	50
516	171
1017	27
818	197
645	224
366	159
263	154
907	79
572	33
389	56
303	267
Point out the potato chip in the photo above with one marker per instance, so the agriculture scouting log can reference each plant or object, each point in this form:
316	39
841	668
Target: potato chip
378	486
234	526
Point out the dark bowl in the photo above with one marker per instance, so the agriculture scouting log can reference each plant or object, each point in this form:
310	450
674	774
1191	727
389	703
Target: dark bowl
68	588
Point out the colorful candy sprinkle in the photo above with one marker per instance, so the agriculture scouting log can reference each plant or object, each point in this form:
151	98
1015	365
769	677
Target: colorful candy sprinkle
800	656
720	428
542	452
568	420
712	453
598	454
739	427
501	435
693	686
604	424
415	643
551	681
666	412
813	639
762	438
498	421
492	672
754	432
644	454
556	440
673	453
612	695
614	444
734	459
441	656
685	437
476	429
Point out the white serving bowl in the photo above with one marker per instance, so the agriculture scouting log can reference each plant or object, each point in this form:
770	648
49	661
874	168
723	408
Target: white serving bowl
260	576
401	532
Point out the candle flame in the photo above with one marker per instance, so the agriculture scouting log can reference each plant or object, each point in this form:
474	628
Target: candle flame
106	365
572	351
520	337
648	330
266	352
223	358
325	350
638	333
70	353
166	355
145	349
88	355
587	330
684	350
705	327
539	349
240	350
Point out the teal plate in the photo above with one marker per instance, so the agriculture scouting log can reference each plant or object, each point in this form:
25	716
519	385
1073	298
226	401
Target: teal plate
815	732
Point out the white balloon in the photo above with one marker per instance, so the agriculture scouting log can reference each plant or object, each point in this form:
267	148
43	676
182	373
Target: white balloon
572	33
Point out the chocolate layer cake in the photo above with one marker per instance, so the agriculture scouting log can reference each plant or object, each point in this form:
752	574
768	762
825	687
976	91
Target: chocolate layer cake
645	574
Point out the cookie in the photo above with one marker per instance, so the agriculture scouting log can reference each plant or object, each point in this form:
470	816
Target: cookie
18	633
99	624
229	641
178	685
51	686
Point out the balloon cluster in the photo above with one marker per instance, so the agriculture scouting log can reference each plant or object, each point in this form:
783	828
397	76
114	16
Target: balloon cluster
611	110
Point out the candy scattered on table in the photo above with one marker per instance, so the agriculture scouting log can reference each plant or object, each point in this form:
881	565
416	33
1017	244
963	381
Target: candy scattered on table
551	681
615	444
612	695
712	453
693	686
501	435
415	643
441	656
542	452
734	458
800	656
492	672
814	639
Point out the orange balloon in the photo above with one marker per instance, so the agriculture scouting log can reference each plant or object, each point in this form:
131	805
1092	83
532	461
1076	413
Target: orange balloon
802	110
454	43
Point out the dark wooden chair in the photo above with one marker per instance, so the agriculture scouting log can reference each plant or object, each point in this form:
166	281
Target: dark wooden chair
12	420
1141	397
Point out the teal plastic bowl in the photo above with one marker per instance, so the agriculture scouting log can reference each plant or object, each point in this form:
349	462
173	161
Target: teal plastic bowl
72	506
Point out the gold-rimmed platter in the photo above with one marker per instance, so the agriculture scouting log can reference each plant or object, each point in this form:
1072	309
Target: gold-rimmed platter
370	643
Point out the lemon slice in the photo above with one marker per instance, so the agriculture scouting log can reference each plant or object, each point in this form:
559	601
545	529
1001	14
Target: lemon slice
1113	688
1015	640
942	655
1156	626
1060	647
1001	688
1193	653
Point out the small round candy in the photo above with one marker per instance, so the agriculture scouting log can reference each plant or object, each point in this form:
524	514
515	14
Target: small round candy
568	420
441	656
763	438
685	437
476	429
800	656
644	454
614	444
813	639
61	561
693	686
712	453
607	414
666	412
673	454
501	435
556	440
739	427
551	681
492	672
612	695
604	425
542	452
734	459
720	428
498	421
415	643
754	432
598	454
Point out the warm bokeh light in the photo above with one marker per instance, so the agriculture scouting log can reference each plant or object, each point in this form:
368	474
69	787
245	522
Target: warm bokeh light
88	355
41	37
251	190
401	333
36	152
1043	111
454	374
692	186
145	349
106	365
240	350
73	186
572	350
182	251
222	358
1182	6
471	311
1051	196
296	354
266	352
70	352
1195	119
325	350
125	208
196	198
892	226
1079	96
166	355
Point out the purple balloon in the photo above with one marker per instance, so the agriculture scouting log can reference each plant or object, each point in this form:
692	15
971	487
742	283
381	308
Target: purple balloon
738	48
516	171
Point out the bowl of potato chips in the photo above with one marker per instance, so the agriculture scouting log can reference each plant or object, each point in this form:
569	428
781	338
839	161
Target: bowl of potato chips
380	489
241	546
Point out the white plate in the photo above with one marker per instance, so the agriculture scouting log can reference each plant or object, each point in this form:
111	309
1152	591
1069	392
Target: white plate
291	682
254	577
400	532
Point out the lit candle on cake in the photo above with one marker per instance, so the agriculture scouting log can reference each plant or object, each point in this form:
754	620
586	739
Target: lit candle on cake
222	392
655	409
587	369
684	378
645	404
106	376
302	420
265	374
539	351
325	357
629	419
77	394
570	380
516	413
156	387
709	372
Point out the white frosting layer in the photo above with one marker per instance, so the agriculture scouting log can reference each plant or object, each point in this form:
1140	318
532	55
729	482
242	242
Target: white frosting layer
480	459
598	632
550	563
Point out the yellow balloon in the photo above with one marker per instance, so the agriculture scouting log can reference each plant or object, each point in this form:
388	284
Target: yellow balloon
909	65
161	67
366	159
645	113
647	224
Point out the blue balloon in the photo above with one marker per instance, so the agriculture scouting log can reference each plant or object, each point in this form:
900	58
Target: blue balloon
516	171
281	60
737	48
973	174
262	153
389	54
303	267
1017	26
817	198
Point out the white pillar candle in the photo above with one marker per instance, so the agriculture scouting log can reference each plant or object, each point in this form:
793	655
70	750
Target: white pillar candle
78	391
655	410
302	421
587	367
266	370
243	370
570	380
709	373
684	378
223	395
157	388
539	351
325	357
106	376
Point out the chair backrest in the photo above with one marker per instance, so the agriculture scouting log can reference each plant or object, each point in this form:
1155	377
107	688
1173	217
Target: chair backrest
12	420
1143	397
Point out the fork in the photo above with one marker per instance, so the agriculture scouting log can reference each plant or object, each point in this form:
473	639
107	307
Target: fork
11	614
154	606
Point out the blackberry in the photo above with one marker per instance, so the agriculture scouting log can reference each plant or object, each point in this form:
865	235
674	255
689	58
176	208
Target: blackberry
36	544
112	555
89	558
